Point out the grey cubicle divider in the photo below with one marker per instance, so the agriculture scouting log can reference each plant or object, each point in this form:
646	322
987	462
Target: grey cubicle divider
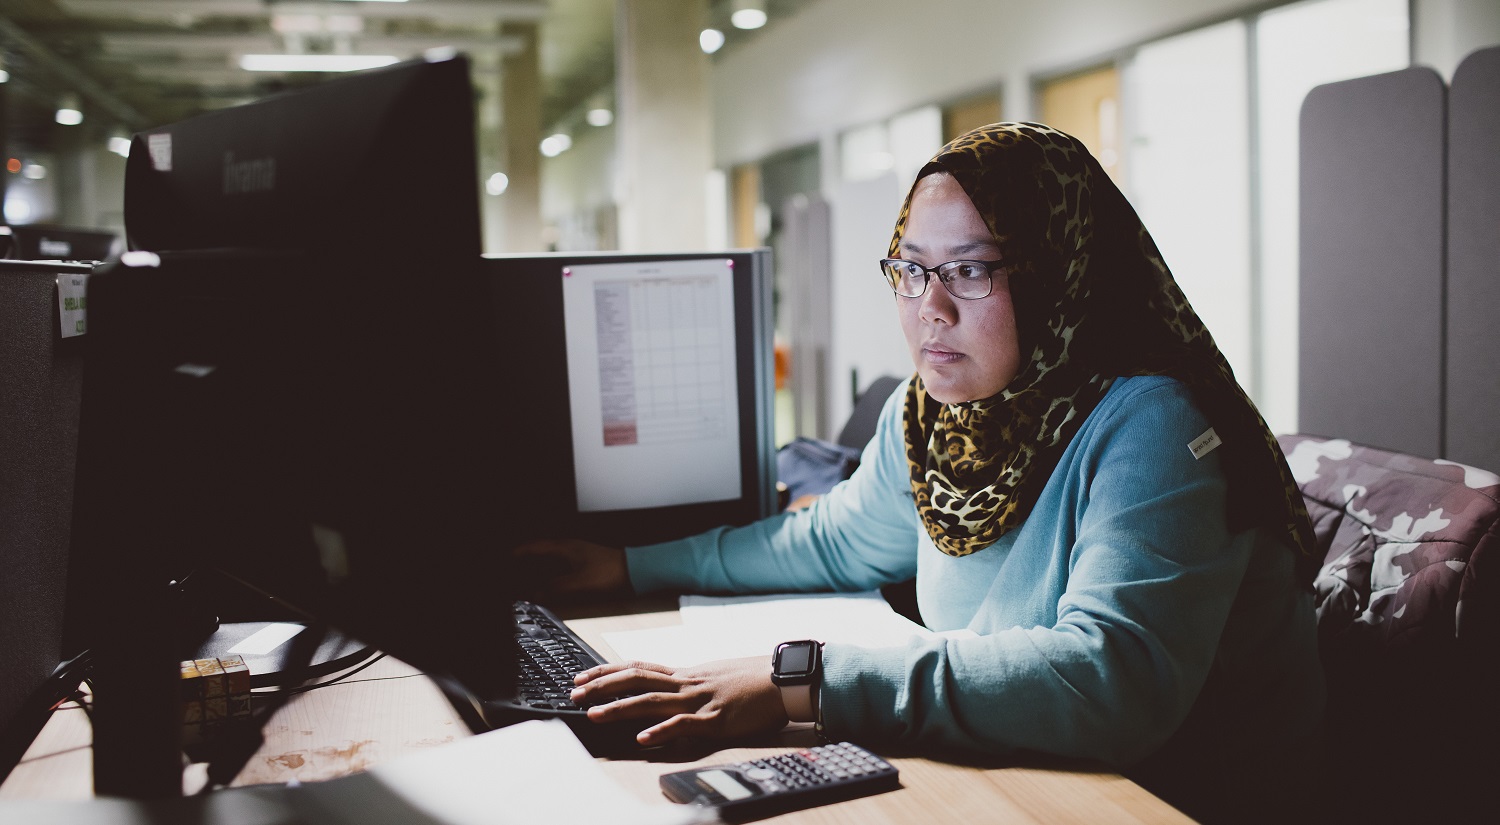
40	379
1372	240
1473	393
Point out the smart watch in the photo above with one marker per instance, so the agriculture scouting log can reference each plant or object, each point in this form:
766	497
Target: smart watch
797	668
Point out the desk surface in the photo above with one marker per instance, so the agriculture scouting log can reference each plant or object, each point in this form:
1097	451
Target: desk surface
390	709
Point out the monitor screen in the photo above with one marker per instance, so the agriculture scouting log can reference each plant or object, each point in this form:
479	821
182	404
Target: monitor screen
651	376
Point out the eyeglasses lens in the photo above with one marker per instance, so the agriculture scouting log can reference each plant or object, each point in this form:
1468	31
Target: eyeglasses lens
965	279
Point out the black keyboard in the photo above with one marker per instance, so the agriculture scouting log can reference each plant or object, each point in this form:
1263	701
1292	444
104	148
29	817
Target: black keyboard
549	655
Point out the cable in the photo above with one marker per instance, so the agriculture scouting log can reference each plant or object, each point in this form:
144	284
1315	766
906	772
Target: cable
305	688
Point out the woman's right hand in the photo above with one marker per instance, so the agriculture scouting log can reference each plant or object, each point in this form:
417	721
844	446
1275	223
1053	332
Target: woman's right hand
552	568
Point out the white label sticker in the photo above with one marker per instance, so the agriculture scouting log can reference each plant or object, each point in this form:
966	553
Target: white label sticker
161	151
266	639
72	301
1204	444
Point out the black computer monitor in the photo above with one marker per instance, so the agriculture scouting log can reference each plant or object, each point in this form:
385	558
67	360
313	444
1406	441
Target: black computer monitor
381	159
577	328
319	430
310	413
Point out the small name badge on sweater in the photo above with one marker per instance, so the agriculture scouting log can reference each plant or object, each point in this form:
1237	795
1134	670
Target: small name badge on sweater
1204	444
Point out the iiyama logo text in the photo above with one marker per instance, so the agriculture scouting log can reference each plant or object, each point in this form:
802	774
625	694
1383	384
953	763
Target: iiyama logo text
248	175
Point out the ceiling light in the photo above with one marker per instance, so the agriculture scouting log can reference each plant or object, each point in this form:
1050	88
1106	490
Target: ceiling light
68	113
554	145
497	183
4	76
120	145
33	171
314	62
748	14
600	117
710	40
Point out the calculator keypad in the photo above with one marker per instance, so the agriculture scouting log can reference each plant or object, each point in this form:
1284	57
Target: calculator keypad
815	766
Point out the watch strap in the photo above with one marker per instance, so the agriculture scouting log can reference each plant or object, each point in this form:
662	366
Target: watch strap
798	702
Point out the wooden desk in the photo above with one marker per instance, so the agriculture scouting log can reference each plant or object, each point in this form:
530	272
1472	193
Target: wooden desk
390	709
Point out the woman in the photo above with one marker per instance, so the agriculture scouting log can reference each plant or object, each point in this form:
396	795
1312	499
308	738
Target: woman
1072	473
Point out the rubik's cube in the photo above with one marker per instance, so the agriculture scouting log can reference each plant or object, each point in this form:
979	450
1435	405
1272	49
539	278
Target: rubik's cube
215	694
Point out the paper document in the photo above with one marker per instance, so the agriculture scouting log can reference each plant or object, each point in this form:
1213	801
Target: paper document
652	381
525	774
731	627
529	773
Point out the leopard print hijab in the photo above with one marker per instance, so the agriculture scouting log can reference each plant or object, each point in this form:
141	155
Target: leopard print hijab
1093	302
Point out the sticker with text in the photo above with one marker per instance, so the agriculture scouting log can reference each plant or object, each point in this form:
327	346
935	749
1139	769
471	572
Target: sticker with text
1204	444
72	303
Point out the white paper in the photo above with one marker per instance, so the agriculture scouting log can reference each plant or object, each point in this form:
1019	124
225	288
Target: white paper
72	303
266	639
529	773
732	627
651	376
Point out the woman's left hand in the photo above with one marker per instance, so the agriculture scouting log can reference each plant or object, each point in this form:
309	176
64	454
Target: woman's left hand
733	697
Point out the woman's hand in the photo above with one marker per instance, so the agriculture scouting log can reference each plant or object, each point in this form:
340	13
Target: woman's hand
734	697
570	567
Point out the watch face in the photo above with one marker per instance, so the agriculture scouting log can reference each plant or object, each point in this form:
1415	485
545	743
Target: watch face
795	660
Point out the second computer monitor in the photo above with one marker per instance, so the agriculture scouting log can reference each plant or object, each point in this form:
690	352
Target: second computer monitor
641	391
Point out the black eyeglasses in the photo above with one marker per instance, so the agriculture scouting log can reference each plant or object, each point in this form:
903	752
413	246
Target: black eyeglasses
969	280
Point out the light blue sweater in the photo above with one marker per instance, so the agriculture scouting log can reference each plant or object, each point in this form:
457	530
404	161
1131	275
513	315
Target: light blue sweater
1100	619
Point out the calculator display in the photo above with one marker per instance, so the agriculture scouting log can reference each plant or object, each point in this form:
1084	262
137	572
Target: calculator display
727	786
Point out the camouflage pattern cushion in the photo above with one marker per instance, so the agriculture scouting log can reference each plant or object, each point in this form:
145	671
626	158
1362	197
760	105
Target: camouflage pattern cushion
1404	540
1409	632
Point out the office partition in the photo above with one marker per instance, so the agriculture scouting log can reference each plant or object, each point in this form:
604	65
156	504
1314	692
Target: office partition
40	379
1473	388
1371	262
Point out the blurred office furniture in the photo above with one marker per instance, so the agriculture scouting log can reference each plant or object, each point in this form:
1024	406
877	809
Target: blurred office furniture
860	426
41	242
809	467
40	380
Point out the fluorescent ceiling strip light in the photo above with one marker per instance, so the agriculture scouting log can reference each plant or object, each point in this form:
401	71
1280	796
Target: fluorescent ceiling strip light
314	62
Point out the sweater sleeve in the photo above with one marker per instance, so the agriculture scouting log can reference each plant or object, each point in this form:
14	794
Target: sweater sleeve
1152	574
859	536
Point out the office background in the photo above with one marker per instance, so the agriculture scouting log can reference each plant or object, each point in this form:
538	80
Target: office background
801	134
